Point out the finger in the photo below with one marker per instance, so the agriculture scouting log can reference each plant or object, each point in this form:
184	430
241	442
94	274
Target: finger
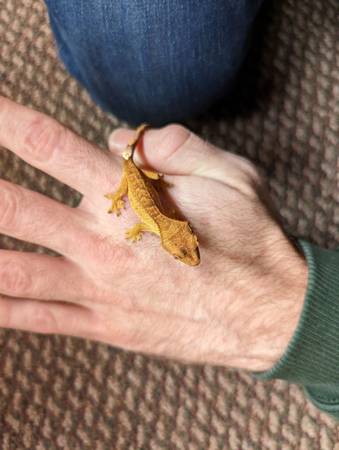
46	144
175	150
130	330
33	217
40	276
47	317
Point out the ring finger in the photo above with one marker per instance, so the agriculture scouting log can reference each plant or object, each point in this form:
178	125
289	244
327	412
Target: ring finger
35	218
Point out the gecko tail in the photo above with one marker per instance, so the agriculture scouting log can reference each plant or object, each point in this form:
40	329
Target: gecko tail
138	134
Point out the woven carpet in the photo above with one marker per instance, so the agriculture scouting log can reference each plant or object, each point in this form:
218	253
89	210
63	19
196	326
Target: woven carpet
67	393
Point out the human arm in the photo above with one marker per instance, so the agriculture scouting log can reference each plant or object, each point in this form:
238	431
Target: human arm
136	296
232	310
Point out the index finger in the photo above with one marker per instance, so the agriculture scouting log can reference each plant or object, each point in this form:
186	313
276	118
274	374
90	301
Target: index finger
46	144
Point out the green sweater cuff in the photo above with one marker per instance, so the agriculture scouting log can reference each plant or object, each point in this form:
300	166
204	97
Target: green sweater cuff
312	355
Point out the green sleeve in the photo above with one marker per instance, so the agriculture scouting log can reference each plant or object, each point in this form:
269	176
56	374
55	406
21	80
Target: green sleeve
312	355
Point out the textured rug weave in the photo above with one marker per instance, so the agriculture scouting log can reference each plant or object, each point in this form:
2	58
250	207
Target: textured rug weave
66	393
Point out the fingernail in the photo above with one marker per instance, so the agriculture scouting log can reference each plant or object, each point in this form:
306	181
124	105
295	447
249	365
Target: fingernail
119	138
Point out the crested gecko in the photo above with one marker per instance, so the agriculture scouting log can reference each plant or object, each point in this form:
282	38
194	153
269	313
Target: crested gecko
176	236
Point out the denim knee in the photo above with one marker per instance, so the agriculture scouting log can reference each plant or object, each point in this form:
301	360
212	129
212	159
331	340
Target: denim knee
157	61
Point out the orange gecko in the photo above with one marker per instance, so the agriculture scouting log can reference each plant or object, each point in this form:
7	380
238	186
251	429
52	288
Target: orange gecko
176	236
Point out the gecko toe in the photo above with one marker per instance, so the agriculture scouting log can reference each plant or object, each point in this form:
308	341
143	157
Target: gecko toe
132	236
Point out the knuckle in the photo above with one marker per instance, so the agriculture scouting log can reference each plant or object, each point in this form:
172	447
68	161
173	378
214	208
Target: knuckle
14	279
176	129
177	134
45	320
247	186
250	177
174	137
251	171
11	198
41	137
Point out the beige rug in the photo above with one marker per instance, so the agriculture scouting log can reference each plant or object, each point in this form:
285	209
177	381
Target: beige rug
63	393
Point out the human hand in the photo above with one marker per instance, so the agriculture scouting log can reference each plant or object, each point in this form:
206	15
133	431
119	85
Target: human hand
238	308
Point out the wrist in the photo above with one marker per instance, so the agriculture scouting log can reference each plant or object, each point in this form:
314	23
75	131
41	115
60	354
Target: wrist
272	319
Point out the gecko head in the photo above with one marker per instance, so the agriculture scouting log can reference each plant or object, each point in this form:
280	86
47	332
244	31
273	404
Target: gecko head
183	245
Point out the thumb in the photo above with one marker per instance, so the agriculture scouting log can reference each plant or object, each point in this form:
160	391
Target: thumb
175	150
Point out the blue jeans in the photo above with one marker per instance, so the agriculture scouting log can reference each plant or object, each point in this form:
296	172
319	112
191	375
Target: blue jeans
154	61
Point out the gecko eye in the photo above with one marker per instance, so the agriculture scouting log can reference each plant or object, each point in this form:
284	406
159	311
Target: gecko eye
183	251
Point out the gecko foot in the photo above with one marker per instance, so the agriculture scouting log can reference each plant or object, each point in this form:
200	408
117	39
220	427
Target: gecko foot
134	234
117	204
